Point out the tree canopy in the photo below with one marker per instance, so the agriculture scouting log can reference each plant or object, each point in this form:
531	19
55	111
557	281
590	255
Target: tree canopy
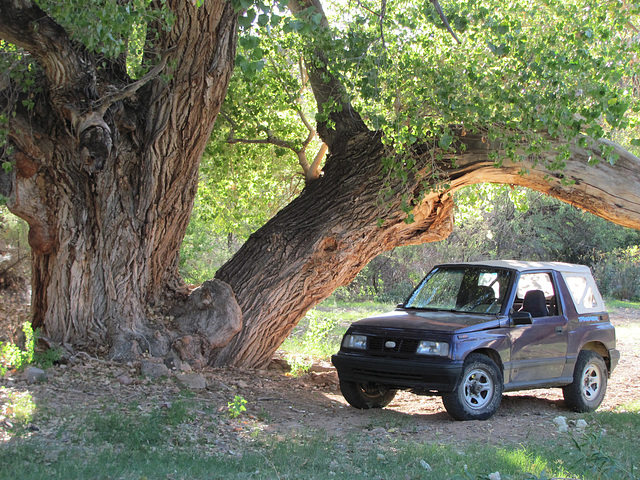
521	73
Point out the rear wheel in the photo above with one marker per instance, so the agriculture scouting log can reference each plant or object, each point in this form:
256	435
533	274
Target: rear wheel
589	385
478	393
366	395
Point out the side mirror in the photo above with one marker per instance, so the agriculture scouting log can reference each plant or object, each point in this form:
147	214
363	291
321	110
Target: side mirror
400	305
521	318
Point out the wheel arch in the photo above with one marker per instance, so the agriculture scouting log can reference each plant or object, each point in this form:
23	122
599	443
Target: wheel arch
492	354
601	350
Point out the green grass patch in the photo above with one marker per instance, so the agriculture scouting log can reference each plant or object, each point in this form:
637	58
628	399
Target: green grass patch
184	439
315	455
612	302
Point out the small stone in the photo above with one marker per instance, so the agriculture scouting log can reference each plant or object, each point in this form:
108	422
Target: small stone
194	381
242	384
35	375
153	369
581	424
426	466
173	362
124	379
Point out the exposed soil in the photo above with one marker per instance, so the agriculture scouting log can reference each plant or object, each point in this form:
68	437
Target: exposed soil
279	404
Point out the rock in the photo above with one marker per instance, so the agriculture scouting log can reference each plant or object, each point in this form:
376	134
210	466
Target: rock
154	369
35	375
124	379
172	361
280	365
211	312
193	381
561	423
242	384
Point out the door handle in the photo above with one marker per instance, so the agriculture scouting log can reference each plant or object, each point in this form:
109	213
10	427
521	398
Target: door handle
559	330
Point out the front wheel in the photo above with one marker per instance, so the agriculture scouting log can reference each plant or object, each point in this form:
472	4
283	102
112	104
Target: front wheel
589	385
478	393
366	395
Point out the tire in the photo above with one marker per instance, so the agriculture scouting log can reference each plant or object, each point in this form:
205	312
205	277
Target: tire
589	385
366	395
478	393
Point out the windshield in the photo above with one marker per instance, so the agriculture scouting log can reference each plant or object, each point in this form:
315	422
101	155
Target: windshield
462	289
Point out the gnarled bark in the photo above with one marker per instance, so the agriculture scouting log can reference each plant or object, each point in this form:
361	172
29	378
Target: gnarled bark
106	172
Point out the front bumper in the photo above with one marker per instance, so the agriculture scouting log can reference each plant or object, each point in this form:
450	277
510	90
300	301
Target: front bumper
423	376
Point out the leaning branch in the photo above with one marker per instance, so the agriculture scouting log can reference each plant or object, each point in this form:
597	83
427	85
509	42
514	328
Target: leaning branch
443	17
27	26
609	191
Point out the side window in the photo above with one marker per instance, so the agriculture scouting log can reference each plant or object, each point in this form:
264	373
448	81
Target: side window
536	294
581	291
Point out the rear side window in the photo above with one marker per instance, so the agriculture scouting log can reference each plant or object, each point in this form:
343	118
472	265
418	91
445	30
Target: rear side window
581	292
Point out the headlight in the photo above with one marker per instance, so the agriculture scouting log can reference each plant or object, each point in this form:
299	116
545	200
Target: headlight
426	347
355	341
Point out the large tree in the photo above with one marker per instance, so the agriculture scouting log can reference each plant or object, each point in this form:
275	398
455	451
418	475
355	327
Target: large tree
105	165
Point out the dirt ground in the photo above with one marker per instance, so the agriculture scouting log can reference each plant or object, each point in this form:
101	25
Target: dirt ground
280	405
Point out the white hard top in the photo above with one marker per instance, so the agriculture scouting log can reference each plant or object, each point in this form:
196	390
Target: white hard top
581	284
521	265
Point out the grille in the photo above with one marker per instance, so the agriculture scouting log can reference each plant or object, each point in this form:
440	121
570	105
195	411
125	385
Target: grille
402	345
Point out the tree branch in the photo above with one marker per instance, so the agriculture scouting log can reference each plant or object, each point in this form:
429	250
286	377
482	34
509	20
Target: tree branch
25	25
343	121
314	170
444	19
101	106
609	191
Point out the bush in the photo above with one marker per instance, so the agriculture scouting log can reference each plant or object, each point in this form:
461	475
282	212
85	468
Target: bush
13	357
618	273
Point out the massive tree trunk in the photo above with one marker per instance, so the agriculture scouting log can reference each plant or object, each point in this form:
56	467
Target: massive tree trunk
106	171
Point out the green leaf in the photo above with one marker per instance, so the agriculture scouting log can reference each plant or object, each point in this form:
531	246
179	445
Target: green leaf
445	140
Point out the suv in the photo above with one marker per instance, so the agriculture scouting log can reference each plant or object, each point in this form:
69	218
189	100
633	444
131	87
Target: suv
471	331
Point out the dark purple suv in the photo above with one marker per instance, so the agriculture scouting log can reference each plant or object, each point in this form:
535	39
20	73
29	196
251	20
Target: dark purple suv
471	331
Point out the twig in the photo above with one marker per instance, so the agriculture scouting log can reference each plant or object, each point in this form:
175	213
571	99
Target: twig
444	19
102	105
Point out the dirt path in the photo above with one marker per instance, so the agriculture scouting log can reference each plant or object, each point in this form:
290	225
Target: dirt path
281	405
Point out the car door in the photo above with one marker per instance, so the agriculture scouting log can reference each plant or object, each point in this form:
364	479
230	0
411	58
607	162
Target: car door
538	350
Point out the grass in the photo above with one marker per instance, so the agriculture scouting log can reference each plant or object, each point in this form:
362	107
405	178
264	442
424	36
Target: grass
611	302
123	444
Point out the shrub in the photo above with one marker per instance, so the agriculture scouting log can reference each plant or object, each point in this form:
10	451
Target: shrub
13	357
618	273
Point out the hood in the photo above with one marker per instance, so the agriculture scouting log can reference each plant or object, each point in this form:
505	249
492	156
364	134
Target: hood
431	320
